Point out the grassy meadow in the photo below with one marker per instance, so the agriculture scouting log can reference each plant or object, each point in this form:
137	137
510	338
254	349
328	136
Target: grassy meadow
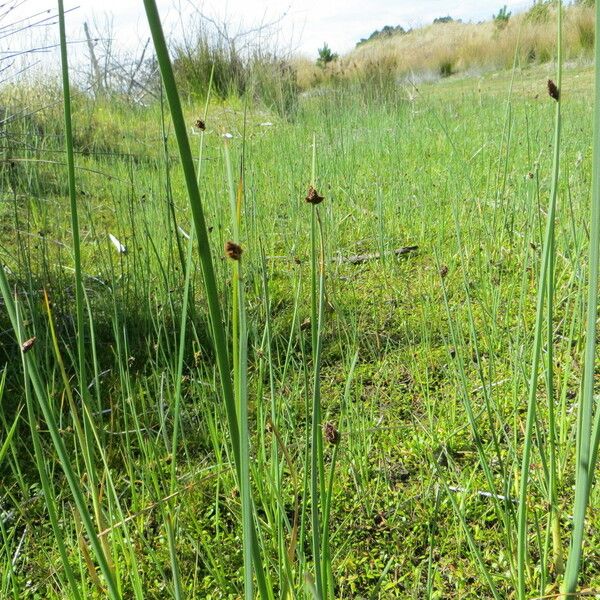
370	443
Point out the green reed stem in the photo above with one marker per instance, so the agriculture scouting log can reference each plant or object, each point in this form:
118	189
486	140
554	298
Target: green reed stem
317	467
79	301
240	374
553	515
210	284
327	572
184	313
89	426
588	439
543	289
206	264
32	370
47	488
171	522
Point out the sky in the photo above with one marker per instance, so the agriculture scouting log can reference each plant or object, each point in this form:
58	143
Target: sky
298	26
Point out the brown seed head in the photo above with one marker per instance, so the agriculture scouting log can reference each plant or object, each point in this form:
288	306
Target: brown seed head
443	271
200	124
332	435
553	90
380	520
28	345
312	197
233	250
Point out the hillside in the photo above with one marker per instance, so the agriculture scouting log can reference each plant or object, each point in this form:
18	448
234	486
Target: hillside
445	48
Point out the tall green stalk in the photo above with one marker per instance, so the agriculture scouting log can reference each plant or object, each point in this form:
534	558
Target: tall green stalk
545	280
327	572
88	444
184	315
187	164
553	515
210	284
45	480
588	439
79	300
171	519
40	392
240	372
317	475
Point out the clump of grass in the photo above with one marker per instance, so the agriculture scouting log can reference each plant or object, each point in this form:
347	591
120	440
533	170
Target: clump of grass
208	54
446	68
585	29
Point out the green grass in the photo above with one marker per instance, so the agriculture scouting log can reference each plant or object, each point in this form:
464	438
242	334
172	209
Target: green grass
422	362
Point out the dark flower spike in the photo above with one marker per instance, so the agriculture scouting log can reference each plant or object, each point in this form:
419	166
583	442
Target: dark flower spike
332	435
553	90
312	197
28	345
200	124
233	251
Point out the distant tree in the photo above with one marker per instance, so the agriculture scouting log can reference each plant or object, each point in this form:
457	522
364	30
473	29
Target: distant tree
502	18
447	19
389	30
326	55
384	32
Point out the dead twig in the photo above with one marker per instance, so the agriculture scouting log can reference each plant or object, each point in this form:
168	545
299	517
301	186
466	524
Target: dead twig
358	259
